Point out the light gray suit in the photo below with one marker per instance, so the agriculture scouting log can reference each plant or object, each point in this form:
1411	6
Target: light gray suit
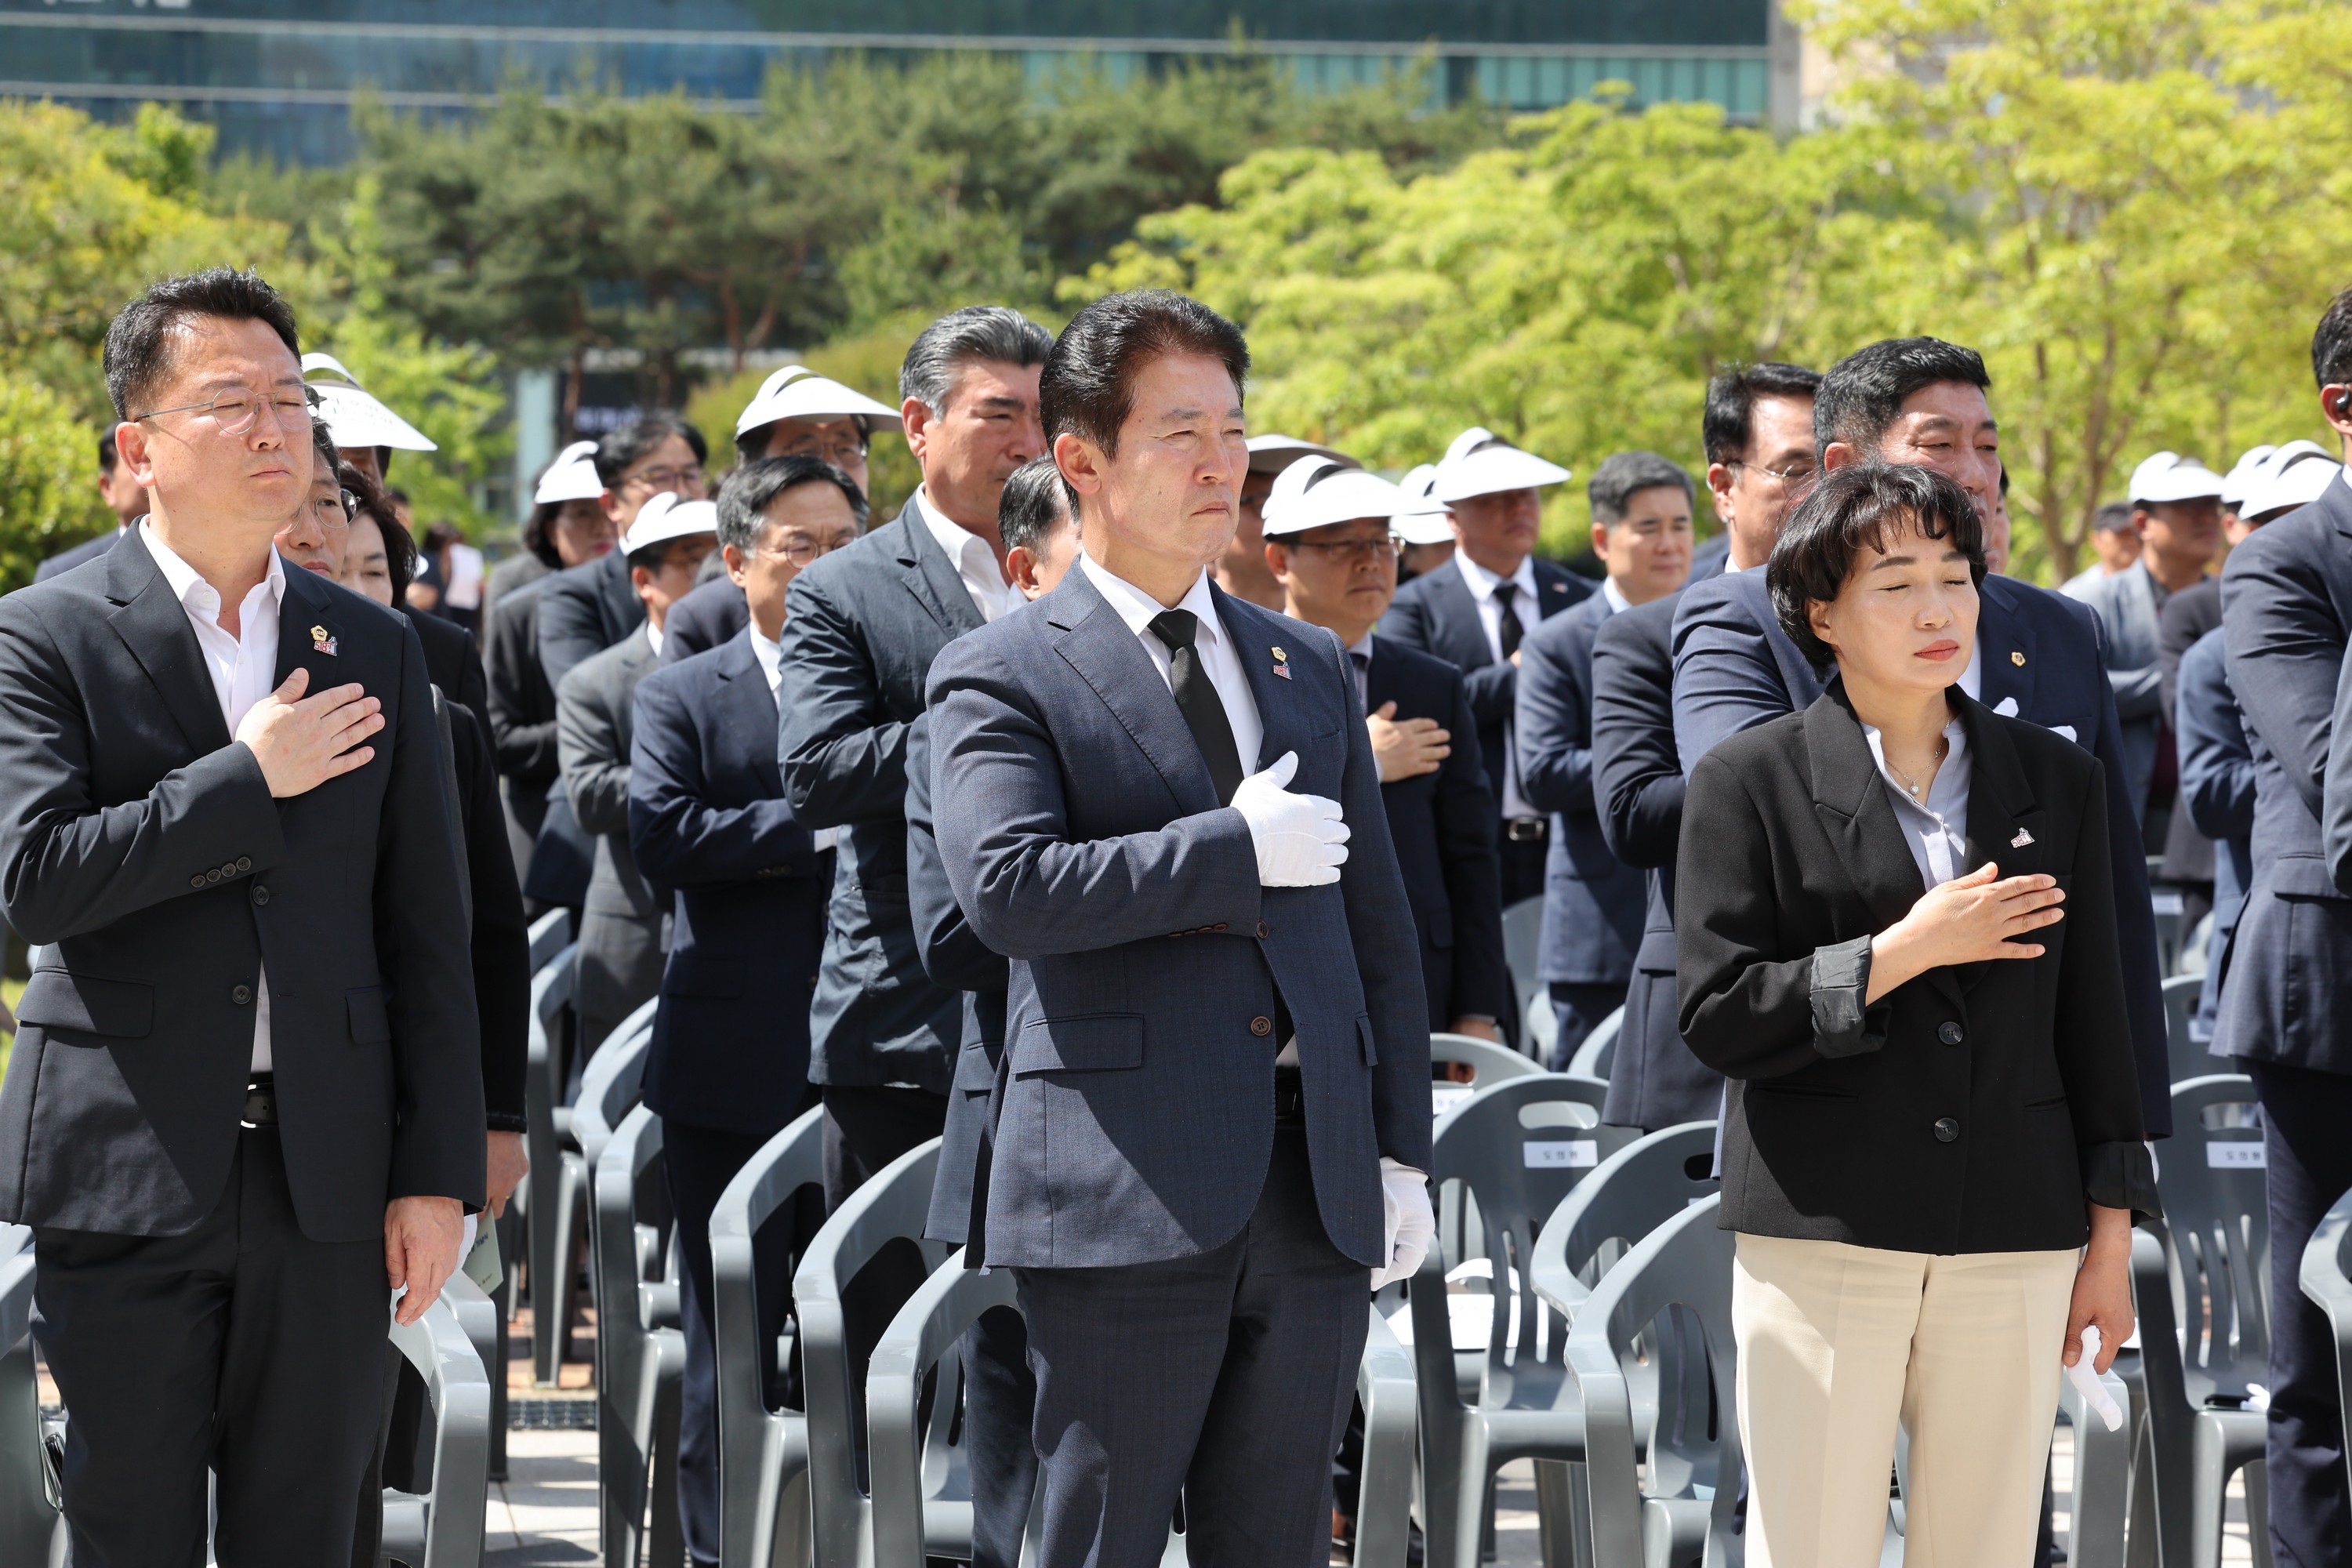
623	928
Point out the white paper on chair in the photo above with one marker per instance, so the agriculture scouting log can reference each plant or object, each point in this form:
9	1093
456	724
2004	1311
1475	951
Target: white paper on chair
2242	1156
1572	1153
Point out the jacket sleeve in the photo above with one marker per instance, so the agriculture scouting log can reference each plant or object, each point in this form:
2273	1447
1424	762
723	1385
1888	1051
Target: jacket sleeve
2286	653
2336	814
2217	766
569	630
951	954
526	744
1474	878
1637	780
1553	728
1725	677
844	758
69	865
501	938
588	744
680	839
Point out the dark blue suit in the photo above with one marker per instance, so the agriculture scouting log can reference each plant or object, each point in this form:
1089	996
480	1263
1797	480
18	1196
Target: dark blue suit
583	611
2286	603
1592	900
729	1064
2042	660
2216	792
1437	613
704	619
1442	825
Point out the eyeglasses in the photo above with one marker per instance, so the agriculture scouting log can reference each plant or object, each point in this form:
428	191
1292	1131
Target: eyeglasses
235	410
799	548
1790	477
685	482
336	510
841	451
1353	552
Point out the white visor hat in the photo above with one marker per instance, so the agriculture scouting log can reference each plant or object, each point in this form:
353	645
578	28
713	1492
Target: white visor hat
572	476
1271	453
2296	475
665	518
2170	477
2240	480
1420	520
1481	463
797	391
1318	492
352	416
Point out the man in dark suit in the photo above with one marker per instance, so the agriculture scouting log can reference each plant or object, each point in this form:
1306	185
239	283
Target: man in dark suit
1193	1263
1757	433
2039	656
2286	610
864	627
1592	900
124	495
588	608
221	796
623	928
728	1067
2216	792
1474	611
1327	542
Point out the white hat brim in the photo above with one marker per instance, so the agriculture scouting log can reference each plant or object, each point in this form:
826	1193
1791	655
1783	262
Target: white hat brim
1341	498
796	392
1270	454
1492	470
355	419
665	518
1423	528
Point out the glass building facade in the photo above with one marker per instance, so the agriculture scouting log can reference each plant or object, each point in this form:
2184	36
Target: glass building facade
279	77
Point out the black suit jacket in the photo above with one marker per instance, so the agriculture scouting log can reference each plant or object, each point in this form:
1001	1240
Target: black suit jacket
1972	1109
704	619
585	610
522	704
144	851
2186	617
1437	614
88	550
708	817
452	661
500	933
1442	825
861	628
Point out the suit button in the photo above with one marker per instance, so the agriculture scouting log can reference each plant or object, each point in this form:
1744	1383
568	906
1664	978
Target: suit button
212	875
1947	1129
1264	930
260	894
1261	1025
1219	926
241	996
244	863
1950	1033
197	881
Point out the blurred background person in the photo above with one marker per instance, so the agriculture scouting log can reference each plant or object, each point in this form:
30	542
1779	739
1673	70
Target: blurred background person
450	583
1241	572
124	496
2114	545
588	608
1425	533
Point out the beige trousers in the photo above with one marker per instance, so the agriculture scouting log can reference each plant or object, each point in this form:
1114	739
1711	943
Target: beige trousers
1839	1343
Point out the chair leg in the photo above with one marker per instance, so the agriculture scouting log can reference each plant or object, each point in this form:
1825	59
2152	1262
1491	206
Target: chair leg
666	1535
2209	1495
2141	1537
2258	1513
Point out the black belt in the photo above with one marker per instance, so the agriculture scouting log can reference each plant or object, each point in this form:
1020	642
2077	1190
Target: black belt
261	1102
1289	1097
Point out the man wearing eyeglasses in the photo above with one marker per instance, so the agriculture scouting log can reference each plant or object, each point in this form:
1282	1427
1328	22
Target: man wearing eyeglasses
586	609
221	799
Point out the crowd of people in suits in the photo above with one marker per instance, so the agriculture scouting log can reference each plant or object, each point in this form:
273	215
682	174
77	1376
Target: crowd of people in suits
1138	764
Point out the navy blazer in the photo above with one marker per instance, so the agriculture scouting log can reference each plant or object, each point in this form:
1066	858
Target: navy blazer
1442	825
2216	792
862	627
1437	613
88	550
2188	854
2286	605
2042	652
584	610
708	819
1081	832
1655	1081
704	619
521	705
1592	900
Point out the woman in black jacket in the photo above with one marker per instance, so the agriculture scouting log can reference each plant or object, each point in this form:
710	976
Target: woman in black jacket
1897	936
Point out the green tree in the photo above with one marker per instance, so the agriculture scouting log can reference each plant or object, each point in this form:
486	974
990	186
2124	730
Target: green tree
46	500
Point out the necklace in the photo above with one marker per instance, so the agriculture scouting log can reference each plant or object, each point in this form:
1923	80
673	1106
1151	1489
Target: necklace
1911	786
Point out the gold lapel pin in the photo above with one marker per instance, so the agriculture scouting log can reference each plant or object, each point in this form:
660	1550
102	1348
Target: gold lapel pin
322	641
1281	663
2017	659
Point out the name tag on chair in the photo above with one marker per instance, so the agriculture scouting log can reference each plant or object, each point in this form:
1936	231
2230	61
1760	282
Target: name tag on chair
2235	1157
1573	1154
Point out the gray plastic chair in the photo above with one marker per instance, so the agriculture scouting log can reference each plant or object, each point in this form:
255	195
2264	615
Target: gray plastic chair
1492	1062
550	935
582	1120
2169	910
550	1191
1593	1058
2197	951
2325	1276
921	1484
2207	1269
2189	1059
764	1505
640	1351
31	1530
1539	1025
443	1527
1522	953
1480	1410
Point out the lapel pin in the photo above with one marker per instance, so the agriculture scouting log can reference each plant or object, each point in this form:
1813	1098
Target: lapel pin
2022	840
322	642
1281	663
2017	659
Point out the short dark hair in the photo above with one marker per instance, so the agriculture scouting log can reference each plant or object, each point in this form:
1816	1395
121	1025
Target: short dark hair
2113	518
2331	344
1863	393
645	430
1089	387
994	333
745	494
1851	509
323	450
1728	424
1621	474
139	339
1032	506
106	458
399	546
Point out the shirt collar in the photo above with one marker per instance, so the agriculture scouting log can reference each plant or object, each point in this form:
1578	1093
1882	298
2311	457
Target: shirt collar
653	637
1484	583
953	537
1138	608
770	656
1618	602
1362	645
186	580
1949	775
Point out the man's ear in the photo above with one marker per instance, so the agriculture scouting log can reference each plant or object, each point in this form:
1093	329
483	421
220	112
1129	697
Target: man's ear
1277	561
1081	462
131	451
1601	541
916	415
1840	455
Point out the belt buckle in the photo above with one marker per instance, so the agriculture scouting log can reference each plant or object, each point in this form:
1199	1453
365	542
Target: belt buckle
1524	829
260	1105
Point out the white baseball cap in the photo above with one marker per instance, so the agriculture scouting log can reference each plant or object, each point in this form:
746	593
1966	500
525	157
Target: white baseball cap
2170	477
2296	475
797	391
1481	463
353	417
2242	474
665	518
572	476
1419	520
1318	492
1271	453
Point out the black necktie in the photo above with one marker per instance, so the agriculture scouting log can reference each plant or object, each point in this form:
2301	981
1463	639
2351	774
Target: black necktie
1196	698
1363	679
1506	600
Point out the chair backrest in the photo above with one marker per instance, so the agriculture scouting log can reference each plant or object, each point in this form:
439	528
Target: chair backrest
1594	1056
2189	1058
1523	951
1637	1189
2217	1240
628	1344
442	1528
2197	951
907	1481
1489	1064
546	1046
609	1084
550	934
2167	902
892	1206
28	1521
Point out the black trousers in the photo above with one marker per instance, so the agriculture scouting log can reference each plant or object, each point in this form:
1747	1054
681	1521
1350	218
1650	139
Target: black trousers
243	1345
1226	1376
2309	1166
1000	1406
1523	866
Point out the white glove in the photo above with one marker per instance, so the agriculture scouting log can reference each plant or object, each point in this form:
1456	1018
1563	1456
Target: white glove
1300	839
1412	1222
2085	1379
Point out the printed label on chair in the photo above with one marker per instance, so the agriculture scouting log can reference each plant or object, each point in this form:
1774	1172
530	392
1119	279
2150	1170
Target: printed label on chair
2234	1157
1573	1154
1444	1096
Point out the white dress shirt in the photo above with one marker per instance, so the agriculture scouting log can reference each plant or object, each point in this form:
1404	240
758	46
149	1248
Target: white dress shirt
975	562
652	636
1217	656
1483	585
1618	602
770	656
244	669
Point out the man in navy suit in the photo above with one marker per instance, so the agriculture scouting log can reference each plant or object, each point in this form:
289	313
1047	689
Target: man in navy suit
585	609
1327	542
1757	433
2039	656
2286	609
1474	611
1593	902
728	1067
1213	1115
2217	792
124	496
